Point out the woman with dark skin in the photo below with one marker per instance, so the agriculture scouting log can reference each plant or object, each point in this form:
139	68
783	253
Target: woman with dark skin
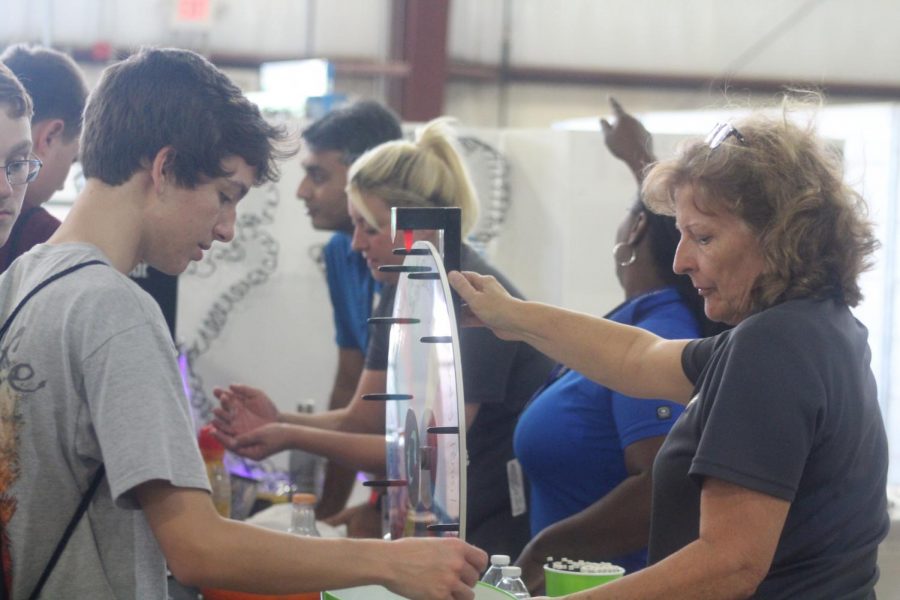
603	513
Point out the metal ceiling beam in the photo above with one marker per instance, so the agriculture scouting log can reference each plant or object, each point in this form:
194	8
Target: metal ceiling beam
419	39
399	71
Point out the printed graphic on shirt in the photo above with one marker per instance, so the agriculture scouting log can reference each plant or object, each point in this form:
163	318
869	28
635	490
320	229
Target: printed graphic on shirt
17	378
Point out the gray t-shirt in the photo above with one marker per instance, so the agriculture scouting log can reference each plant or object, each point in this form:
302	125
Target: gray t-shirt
88	374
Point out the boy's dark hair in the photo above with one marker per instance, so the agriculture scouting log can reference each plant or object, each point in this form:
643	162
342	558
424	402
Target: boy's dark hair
54	82
353	130
13	97
163	97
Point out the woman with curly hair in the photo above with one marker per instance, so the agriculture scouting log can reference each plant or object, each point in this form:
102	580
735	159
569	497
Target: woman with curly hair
772	482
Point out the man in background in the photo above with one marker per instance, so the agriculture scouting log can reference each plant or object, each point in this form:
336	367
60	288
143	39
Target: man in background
58	91
332	143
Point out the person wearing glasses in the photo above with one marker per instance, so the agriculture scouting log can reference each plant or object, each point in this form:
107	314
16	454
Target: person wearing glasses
772	483
19	166
58	91
103	486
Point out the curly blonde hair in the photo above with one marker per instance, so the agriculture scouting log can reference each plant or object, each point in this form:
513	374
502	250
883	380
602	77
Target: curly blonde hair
787	185
428	172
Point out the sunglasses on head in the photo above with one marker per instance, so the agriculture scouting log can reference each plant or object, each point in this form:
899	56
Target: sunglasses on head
720	133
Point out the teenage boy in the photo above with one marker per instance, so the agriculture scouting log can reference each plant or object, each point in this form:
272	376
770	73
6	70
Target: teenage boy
90	383
58	91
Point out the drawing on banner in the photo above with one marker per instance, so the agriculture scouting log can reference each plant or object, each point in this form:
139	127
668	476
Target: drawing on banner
252	257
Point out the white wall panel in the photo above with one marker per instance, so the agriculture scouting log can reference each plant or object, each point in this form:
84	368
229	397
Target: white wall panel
472	103
475	30
261	27
131	24
568	197
848	40
354	28
838	40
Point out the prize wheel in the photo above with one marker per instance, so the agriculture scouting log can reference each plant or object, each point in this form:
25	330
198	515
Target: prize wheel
424	414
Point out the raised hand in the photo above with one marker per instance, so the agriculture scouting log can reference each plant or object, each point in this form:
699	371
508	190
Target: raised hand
628	139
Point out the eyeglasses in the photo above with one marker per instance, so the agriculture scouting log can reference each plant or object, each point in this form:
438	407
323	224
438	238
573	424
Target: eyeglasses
20	172
720	133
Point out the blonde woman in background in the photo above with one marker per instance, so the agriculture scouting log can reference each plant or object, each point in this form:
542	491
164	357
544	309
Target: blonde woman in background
498	376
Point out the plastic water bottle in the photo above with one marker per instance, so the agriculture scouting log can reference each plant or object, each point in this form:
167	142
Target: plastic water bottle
494	573
303	515
512	582
303	523
219	480
303	467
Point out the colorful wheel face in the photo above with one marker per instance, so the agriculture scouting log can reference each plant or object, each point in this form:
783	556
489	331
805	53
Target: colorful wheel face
425	437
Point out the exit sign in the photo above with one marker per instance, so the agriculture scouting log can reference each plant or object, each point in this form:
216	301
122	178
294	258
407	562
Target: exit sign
193	14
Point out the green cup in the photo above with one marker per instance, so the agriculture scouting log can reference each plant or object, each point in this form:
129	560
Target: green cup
560	583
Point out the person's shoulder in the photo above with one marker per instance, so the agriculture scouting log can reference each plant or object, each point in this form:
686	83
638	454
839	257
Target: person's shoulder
338	242
794	325
39	226
666	314
45	218
792	314
340	257
95	289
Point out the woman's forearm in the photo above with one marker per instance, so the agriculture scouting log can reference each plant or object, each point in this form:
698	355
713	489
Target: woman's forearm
699	571
627	359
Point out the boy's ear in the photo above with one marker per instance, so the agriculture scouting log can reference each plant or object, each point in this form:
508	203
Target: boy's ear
161	168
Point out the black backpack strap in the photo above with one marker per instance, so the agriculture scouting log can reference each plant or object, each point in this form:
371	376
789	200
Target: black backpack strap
70	529
98	475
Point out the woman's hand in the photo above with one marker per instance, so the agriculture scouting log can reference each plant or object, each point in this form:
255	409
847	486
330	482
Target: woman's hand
487	303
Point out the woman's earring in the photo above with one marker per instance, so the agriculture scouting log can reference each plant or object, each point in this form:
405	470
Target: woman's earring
627	261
